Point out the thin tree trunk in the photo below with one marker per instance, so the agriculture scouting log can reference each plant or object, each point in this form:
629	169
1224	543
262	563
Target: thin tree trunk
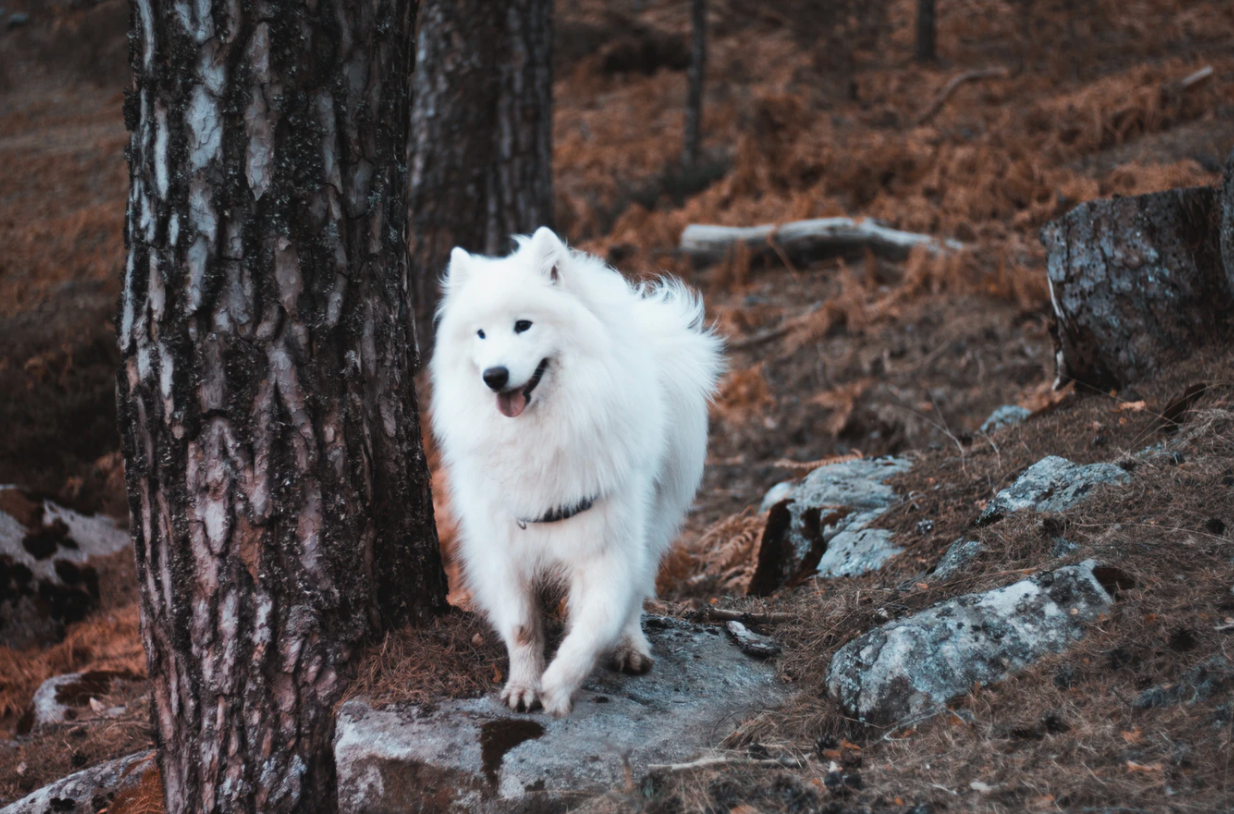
696	77
280	502
482	131
926	27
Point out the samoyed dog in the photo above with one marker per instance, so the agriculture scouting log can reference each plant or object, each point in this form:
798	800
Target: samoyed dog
570	407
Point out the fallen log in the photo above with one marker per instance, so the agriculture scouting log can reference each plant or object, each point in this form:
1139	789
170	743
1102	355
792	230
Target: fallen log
955	82
806	240
1135	283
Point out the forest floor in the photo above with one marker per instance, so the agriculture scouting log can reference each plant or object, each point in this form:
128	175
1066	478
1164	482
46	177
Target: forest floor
809	113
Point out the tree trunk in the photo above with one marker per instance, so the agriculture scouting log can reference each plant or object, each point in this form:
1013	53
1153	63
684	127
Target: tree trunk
1226	215
926	27
697	75
1135	282
280	501
482	133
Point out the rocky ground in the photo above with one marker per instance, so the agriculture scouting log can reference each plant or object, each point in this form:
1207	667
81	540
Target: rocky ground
1033	616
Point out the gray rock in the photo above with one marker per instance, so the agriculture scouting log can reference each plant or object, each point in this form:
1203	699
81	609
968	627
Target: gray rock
819	523
859	484
914	665
775	494
857	550
1006	416
67	698
957	559
45	561
1062	547
1050	485
17	20
76	793
964	552
476	755
1199	684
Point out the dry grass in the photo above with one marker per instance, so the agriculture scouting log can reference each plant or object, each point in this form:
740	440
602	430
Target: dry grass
1064	733
146	797
873	356
1000	159
720	561
108	641
457	657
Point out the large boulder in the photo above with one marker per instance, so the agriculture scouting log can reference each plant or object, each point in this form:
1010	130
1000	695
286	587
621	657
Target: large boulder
47	575
1135	283
913	666
476	755
85	792
820	525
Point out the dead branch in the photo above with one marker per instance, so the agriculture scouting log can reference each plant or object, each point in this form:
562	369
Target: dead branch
725	760
763	337
721	615
1171	90
955	82
1196	78
806	240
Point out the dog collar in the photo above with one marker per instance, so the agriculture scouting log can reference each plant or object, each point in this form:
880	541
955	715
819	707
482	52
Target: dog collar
558	513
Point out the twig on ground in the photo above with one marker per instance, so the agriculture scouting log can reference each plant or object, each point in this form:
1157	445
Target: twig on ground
810	466
721	615
725	760
1187	82
763	337
955	82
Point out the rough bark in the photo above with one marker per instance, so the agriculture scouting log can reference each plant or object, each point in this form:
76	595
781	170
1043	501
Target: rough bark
1227	223
1135	282
697	74
280	502
926	27
481	168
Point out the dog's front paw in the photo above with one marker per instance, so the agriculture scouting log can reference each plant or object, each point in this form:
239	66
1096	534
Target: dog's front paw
629	659
520	697
557	701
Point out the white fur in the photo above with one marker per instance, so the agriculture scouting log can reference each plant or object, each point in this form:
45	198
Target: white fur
620	416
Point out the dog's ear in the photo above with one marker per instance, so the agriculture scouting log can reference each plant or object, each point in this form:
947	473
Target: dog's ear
549	252
457	269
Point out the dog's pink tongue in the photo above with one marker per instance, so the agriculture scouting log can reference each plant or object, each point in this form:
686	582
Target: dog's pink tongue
511	403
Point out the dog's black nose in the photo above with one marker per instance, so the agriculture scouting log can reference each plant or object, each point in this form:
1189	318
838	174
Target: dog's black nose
496	377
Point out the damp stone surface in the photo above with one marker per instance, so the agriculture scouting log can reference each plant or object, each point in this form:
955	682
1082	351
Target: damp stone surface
476	755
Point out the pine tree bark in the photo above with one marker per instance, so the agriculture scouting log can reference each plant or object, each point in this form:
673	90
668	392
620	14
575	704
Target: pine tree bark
482	133
696	76
280	501
1136	284
926	27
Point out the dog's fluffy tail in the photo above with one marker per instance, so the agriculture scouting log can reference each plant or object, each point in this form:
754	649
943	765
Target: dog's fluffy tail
689	352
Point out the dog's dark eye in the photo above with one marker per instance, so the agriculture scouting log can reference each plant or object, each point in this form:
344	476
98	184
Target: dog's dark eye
480	333
522	325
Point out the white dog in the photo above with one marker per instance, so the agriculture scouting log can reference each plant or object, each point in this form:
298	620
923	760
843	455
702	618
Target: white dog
571	411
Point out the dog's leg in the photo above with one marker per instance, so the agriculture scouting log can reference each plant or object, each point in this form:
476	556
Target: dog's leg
601	591
633	653
509	601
